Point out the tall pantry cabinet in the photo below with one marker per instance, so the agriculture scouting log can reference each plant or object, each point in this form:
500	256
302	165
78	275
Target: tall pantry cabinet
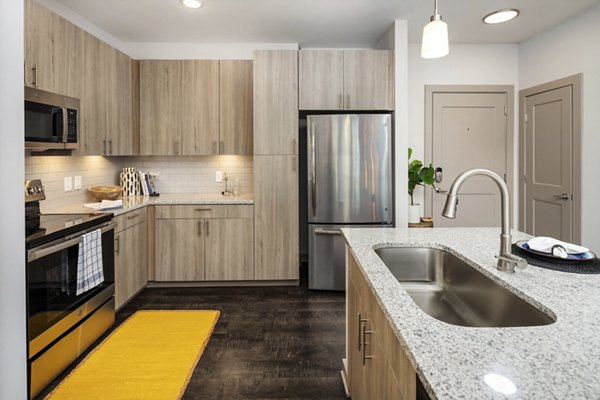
276	165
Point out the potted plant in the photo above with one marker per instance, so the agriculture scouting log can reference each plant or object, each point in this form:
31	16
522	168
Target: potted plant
418	175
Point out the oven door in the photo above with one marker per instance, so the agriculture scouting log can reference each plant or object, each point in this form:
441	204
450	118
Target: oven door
53	306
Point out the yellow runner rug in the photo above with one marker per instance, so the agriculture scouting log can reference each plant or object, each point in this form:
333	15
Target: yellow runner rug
152	355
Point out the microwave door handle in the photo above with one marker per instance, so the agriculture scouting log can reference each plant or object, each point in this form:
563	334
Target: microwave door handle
65	115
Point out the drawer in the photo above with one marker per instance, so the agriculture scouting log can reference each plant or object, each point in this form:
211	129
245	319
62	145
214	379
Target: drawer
191	211
130	219
240	211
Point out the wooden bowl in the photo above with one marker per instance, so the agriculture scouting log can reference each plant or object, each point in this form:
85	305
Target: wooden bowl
106	192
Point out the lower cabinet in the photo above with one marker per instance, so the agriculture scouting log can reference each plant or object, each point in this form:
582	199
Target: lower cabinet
204	243
378	368
131	255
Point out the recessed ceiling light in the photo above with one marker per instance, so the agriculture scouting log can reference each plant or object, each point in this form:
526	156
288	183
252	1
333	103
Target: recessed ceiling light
192	3
500	16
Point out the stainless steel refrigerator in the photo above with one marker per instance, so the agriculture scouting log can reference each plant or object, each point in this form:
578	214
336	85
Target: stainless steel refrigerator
350	184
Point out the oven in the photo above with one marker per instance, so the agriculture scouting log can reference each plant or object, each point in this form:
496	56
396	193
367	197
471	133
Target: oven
61	324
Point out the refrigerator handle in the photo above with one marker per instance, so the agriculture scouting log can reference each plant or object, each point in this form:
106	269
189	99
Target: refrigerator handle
321	231
313	178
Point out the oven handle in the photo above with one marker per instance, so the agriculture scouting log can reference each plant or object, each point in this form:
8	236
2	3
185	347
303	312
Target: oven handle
58	245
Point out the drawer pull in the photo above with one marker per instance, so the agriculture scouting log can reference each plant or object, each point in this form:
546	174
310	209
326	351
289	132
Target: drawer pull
133	216
203	209
365	357
207	232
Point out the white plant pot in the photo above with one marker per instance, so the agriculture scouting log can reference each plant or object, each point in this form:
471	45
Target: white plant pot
414	214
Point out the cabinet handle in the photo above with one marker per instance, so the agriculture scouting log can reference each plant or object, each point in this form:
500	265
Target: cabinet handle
133	216
199	228
110	149
117	244
203	209
365	357
360	321
34	79
341	102
347	105
207	231
221	147
104	147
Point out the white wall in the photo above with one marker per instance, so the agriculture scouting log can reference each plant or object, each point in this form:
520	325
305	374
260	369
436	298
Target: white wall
571	48
13	368
467	64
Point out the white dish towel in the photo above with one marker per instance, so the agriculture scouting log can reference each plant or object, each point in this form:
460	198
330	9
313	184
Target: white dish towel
545	244
89	262
105	205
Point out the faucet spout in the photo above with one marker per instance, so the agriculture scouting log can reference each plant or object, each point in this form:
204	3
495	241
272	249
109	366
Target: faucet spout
506	260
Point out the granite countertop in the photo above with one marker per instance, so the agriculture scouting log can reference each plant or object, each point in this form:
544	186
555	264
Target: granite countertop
556	361
136	202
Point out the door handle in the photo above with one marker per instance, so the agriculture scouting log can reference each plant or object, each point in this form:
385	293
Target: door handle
321	231
365	332
440	191
564	196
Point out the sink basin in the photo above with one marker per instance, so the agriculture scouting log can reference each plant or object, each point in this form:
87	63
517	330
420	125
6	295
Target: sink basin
452	291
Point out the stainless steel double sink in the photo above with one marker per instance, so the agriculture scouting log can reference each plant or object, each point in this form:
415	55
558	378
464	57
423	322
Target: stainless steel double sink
450	290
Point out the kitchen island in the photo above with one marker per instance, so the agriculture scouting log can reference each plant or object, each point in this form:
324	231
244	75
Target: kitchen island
555	361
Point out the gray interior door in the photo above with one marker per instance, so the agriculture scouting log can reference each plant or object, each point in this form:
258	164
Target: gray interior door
549	163
469	130
349	168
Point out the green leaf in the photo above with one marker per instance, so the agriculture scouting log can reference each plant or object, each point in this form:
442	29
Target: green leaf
409	153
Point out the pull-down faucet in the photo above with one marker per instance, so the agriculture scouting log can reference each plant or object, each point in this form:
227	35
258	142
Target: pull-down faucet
507	261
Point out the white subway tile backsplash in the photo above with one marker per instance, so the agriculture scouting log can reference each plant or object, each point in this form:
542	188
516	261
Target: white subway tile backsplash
183	174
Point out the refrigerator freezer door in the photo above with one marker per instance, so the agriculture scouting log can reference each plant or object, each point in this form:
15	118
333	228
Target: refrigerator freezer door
327	256
349	165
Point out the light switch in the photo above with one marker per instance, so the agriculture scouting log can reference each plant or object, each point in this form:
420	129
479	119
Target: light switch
68	183
219	176
77	182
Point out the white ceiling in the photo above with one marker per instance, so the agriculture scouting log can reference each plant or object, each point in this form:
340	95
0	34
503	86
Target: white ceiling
316	23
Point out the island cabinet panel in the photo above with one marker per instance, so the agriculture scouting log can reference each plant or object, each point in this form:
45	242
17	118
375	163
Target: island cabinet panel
321	80
160	107
200	107
236	111
131	255
378	367
275	102
204	243
276	217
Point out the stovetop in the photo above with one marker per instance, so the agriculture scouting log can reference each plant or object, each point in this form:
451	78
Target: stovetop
56	226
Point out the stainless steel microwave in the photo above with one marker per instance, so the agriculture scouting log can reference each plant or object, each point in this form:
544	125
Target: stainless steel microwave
51	120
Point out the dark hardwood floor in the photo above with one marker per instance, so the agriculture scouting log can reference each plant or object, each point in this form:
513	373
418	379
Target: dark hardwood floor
269	342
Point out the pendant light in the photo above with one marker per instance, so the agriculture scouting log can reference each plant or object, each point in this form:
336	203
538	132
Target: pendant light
435	36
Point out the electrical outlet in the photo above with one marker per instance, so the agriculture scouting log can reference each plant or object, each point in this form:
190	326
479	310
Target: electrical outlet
77	182
68	183
219	176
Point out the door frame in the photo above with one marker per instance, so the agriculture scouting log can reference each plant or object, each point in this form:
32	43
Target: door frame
575	81
509	91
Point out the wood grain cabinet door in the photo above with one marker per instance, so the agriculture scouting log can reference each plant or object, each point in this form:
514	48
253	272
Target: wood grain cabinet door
321	84
229	249
93	97
368	80
179	250
39	46
236	110
200	107
276	218
119	133
131	262
160	107
275	102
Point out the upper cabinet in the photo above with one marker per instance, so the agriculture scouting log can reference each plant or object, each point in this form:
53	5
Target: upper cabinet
236	107
275	102
195	107
160	107
62	58
346	80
